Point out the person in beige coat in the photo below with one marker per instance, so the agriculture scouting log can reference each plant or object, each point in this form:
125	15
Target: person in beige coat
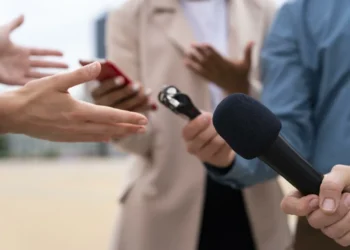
162	199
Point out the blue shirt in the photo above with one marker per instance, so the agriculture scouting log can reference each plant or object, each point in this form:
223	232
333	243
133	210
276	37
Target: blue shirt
306	77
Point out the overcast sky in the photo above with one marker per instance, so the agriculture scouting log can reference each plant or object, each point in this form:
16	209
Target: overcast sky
63	24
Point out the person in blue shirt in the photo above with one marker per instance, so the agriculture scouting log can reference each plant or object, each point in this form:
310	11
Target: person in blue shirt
306	77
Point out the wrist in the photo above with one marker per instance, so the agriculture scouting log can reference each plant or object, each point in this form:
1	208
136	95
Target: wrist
11	103
237	85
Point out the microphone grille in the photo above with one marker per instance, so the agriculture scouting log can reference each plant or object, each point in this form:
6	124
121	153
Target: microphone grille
246	125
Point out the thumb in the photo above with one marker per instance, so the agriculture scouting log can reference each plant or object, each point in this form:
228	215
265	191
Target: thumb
332	187
14	24
84	74
248	54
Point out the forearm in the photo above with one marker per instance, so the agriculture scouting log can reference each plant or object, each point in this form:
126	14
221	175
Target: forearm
10	104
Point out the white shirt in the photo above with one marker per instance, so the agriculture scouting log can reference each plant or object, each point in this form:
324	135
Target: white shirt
209	22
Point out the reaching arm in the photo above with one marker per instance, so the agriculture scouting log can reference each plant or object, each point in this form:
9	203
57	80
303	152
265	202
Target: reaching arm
286	92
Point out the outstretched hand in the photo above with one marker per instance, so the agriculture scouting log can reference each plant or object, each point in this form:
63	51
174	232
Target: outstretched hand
44	109
17	65
231	75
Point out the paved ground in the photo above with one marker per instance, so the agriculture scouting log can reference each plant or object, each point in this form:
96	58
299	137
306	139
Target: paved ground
59	205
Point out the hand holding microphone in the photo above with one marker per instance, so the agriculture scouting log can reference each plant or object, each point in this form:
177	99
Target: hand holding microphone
253	131
204	142
330	211
199	134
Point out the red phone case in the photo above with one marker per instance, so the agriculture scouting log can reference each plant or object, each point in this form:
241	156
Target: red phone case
108	70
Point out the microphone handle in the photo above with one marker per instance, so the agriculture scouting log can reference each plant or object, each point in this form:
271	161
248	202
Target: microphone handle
282	158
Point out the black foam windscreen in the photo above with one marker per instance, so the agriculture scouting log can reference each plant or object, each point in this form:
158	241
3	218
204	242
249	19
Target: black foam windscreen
246	125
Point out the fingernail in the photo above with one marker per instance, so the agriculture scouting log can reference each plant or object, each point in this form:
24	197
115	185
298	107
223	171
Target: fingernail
119	80
141	130
148	92
93	66
135	87
154	107
205	119
313	203
328	204
142	122
347	200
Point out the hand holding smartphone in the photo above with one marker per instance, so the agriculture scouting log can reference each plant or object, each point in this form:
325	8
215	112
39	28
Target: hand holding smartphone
117	90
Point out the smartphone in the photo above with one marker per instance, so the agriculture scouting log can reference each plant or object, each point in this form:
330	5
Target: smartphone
108	70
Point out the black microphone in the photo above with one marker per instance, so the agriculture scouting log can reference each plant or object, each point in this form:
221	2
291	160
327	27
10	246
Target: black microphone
252	130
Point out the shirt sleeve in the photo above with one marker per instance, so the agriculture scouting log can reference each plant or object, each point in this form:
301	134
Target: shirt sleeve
287	93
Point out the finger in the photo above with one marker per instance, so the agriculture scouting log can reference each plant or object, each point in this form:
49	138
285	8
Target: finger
104	87
107	115
197	68
248	54
24	80
295	204
44	52
79	138
226	154
332	187
196	56
202	140
340	228
344	241
14	24
202	50
117	130
144	104
196	126
118	95
214	147
47	64
133	102
149	105
37	74
211	52
318	219
64	81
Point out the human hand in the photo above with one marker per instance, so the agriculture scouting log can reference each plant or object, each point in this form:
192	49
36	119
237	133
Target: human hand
44	109
330	211
17	67
230	75
204	142
116	94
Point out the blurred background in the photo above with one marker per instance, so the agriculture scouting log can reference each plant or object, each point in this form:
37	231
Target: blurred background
57	195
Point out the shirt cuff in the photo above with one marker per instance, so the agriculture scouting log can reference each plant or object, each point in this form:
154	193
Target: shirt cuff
219	170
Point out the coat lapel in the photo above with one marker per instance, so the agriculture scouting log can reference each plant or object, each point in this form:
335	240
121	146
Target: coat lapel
177	28
245	24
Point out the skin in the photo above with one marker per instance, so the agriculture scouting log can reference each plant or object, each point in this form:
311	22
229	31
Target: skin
17	63
230	75
203	141
44	109
330	210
